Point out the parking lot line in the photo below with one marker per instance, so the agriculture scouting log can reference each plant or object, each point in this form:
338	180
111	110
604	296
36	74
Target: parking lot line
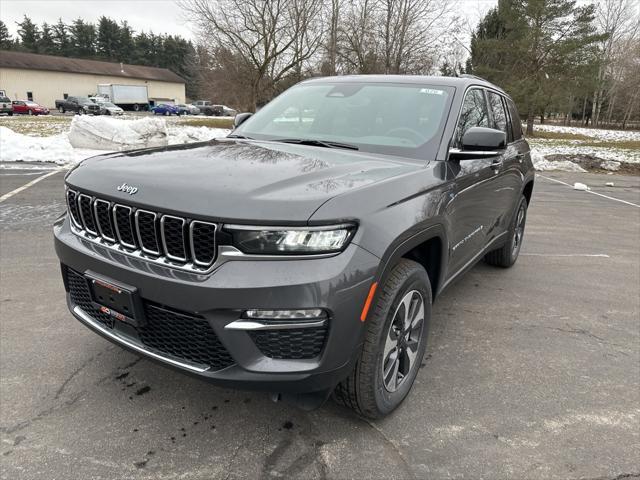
589	191
6	196
597	255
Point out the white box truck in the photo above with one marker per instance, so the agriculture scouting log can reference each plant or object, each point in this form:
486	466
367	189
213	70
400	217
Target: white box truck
128	97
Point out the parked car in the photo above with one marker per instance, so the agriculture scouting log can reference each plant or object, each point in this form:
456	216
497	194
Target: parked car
188	109
165	109
27	107
201	103
5	106
108	108
302	258
79	105
228	111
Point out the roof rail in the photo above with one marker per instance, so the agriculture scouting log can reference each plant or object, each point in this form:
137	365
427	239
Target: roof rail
468	75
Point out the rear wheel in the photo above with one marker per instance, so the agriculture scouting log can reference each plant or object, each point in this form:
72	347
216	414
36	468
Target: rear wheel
30	112
507	255
61	109
396	335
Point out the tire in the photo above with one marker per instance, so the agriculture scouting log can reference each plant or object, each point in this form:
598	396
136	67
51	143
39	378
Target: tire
61	109
507	255
30	112
367	390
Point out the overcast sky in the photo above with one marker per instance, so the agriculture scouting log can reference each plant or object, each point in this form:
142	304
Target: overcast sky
158	16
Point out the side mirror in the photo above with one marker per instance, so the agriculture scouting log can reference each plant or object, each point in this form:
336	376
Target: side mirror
481	138
480	142
240	119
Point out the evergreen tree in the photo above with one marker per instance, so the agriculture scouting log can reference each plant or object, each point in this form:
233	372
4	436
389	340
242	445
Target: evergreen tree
142	49
28	34
108	43
61	38
83	39
127	46
5	39
534	49
46	44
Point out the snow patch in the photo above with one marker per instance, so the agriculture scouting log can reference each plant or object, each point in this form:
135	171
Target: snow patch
15	147
543	165
600	134
91	136
104	133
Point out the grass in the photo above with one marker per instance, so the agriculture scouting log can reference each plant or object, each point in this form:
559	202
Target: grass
544	135
40	126
211	122
624	144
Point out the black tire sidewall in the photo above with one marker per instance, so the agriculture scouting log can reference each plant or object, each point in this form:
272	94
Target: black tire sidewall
514	225
387	401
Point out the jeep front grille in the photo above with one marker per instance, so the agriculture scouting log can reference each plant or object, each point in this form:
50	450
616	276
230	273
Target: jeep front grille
160	238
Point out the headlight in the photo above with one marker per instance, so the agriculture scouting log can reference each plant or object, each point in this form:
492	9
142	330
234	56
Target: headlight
291	240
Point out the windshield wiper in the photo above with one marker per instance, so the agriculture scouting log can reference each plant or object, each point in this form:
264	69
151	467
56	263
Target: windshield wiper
318	143
239	136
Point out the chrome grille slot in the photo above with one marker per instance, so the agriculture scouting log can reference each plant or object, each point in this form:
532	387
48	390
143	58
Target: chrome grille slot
202	236
122	219
74	210
86	214
147	232
102	210
173	241
168	240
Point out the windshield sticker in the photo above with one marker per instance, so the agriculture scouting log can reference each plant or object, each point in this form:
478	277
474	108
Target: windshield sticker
431	91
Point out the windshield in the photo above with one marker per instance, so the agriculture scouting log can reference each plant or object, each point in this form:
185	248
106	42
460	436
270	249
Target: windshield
83	100
393	119
32	104
109	104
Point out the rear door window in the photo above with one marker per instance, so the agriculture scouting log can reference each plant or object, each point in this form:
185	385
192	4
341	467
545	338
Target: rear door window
500	121
474	113
516	123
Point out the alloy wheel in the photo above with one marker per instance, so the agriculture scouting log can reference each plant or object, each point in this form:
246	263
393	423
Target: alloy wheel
518	234
402	341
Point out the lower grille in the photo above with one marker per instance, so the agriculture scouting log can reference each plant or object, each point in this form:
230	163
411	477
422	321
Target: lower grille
80	296
293	344
167	332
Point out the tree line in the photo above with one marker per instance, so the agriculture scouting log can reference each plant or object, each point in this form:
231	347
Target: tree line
106	40
574	61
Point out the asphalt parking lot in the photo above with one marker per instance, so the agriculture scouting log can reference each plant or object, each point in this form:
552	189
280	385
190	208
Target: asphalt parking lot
532	372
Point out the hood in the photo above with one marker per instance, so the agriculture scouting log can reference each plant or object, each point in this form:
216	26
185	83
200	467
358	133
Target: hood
227	180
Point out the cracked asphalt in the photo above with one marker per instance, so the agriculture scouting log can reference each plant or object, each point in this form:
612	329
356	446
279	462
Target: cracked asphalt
530	373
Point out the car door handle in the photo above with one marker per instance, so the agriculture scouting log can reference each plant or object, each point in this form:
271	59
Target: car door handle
496	165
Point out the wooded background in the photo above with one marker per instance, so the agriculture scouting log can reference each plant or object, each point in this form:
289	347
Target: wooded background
562	61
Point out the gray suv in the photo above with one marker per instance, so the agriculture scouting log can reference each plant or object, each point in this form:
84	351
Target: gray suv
301	254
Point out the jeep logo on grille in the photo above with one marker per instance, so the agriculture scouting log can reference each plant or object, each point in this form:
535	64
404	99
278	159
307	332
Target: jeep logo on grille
127	189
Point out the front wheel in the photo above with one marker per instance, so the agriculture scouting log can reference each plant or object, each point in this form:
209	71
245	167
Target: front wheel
397	329
507	255
30	112
61	109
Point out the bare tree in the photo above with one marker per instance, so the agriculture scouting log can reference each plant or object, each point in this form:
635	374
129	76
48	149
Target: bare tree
619	21
273	38
392	36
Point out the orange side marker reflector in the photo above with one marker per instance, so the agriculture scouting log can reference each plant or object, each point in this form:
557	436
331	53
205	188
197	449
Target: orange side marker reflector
367	304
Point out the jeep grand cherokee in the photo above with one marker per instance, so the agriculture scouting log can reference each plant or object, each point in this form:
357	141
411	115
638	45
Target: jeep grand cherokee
301	254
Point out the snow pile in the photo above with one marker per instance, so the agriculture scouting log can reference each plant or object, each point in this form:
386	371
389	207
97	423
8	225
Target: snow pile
542	164
571	148
179	134
104	133
610	165
599	134
15	147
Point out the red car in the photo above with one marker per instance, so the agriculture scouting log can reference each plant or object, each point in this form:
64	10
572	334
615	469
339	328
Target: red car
28	108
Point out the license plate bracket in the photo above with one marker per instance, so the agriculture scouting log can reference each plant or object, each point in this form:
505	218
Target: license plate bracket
120	301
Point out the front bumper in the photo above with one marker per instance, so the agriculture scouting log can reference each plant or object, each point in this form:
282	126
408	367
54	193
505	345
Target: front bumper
338	284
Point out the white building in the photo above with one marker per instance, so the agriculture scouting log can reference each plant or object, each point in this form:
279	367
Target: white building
47	78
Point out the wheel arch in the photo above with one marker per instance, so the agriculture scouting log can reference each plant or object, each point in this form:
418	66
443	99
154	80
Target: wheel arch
427	247
527	191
